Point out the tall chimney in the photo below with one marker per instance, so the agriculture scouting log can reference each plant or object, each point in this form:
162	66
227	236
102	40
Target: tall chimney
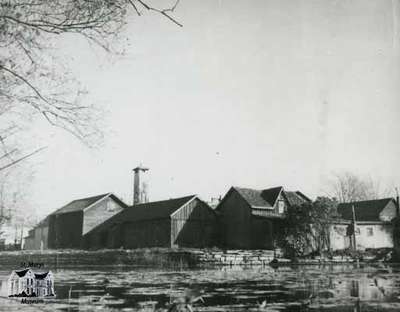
138	196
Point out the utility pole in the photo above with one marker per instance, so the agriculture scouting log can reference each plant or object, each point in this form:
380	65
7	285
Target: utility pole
22	235
354	228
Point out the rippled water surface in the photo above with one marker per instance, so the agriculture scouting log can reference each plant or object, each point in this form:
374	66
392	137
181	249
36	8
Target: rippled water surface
299	288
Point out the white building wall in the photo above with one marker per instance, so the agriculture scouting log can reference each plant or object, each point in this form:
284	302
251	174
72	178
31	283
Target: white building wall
367	236
374	236
338	238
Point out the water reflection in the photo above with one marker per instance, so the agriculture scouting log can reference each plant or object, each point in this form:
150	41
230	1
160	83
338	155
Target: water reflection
302	288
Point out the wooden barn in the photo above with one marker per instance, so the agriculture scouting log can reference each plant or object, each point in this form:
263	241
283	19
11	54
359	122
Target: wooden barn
179	222
251	219
37	238
68	224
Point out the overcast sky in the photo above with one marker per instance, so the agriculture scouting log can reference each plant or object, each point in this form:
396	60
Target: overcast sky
248	93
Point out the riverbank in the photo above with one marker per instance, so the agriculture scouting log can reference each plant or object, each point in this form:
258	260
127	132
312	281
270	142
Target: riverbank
155	257
158	257
162	258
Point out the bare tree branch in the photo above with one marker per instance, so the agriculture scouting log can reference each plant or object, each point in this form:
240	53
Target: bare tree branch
134	7
13	163
34	85
25	81
349	187
7	154
162	11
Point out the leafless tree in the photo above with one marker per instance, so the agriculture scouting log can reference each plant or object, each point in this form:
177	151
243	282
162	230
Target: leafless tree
33	84
349	187
15	208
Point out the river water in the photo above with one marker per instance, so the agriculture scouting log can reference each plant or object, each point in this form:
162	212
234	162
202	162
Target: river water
335	288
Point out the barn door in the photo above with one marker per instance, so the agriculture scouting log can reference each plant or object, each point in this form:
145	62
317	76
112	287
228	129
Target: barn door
262	234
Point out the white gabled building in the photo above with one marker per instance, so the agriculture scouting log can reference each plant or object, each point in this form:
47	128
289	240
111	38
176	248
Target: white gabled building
374	228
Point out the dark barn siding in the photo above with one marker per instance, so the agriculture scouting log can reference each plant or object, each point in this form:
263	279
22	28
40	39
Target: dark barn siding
109	236
267	233
183	222
262	233
65	230
235	221
194	225
242	229
130	235
147	233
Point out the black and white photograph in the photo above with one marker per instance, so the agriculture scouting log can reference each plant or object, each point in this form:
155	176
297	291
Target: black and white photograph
200	155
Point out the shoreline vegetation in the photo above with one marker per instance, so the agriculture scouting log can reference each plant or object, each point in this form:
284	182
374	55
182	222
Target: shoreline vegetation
183	257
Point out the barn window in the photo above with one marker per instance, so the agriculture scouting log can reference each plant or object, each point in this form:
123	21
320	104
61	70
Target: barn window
110	205
281	206
358	231
370	231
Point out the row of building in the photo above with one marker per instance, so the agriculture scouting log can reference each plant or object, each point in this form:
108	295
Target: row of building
244	219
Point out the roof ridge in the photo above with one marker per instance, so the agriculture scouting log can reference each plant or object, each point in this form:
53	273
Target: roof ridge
275	187
89	197
365	210
367	200
164	200
278	189
246	188
257	189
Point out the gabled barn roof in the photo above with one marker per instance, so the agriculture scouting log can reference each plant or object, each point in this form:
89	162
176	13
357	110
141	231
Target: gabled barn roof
367	210
81	204
146	211
259	198
296	198
268	197
154	210
43	222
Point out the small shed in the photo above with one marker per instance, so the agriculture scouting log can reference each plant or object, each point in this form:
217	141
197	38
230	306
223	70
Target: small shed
180	222
37	238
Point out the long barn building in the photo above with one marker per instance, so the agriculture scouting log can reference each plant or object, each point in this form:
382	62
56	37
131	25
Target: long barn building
179	222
